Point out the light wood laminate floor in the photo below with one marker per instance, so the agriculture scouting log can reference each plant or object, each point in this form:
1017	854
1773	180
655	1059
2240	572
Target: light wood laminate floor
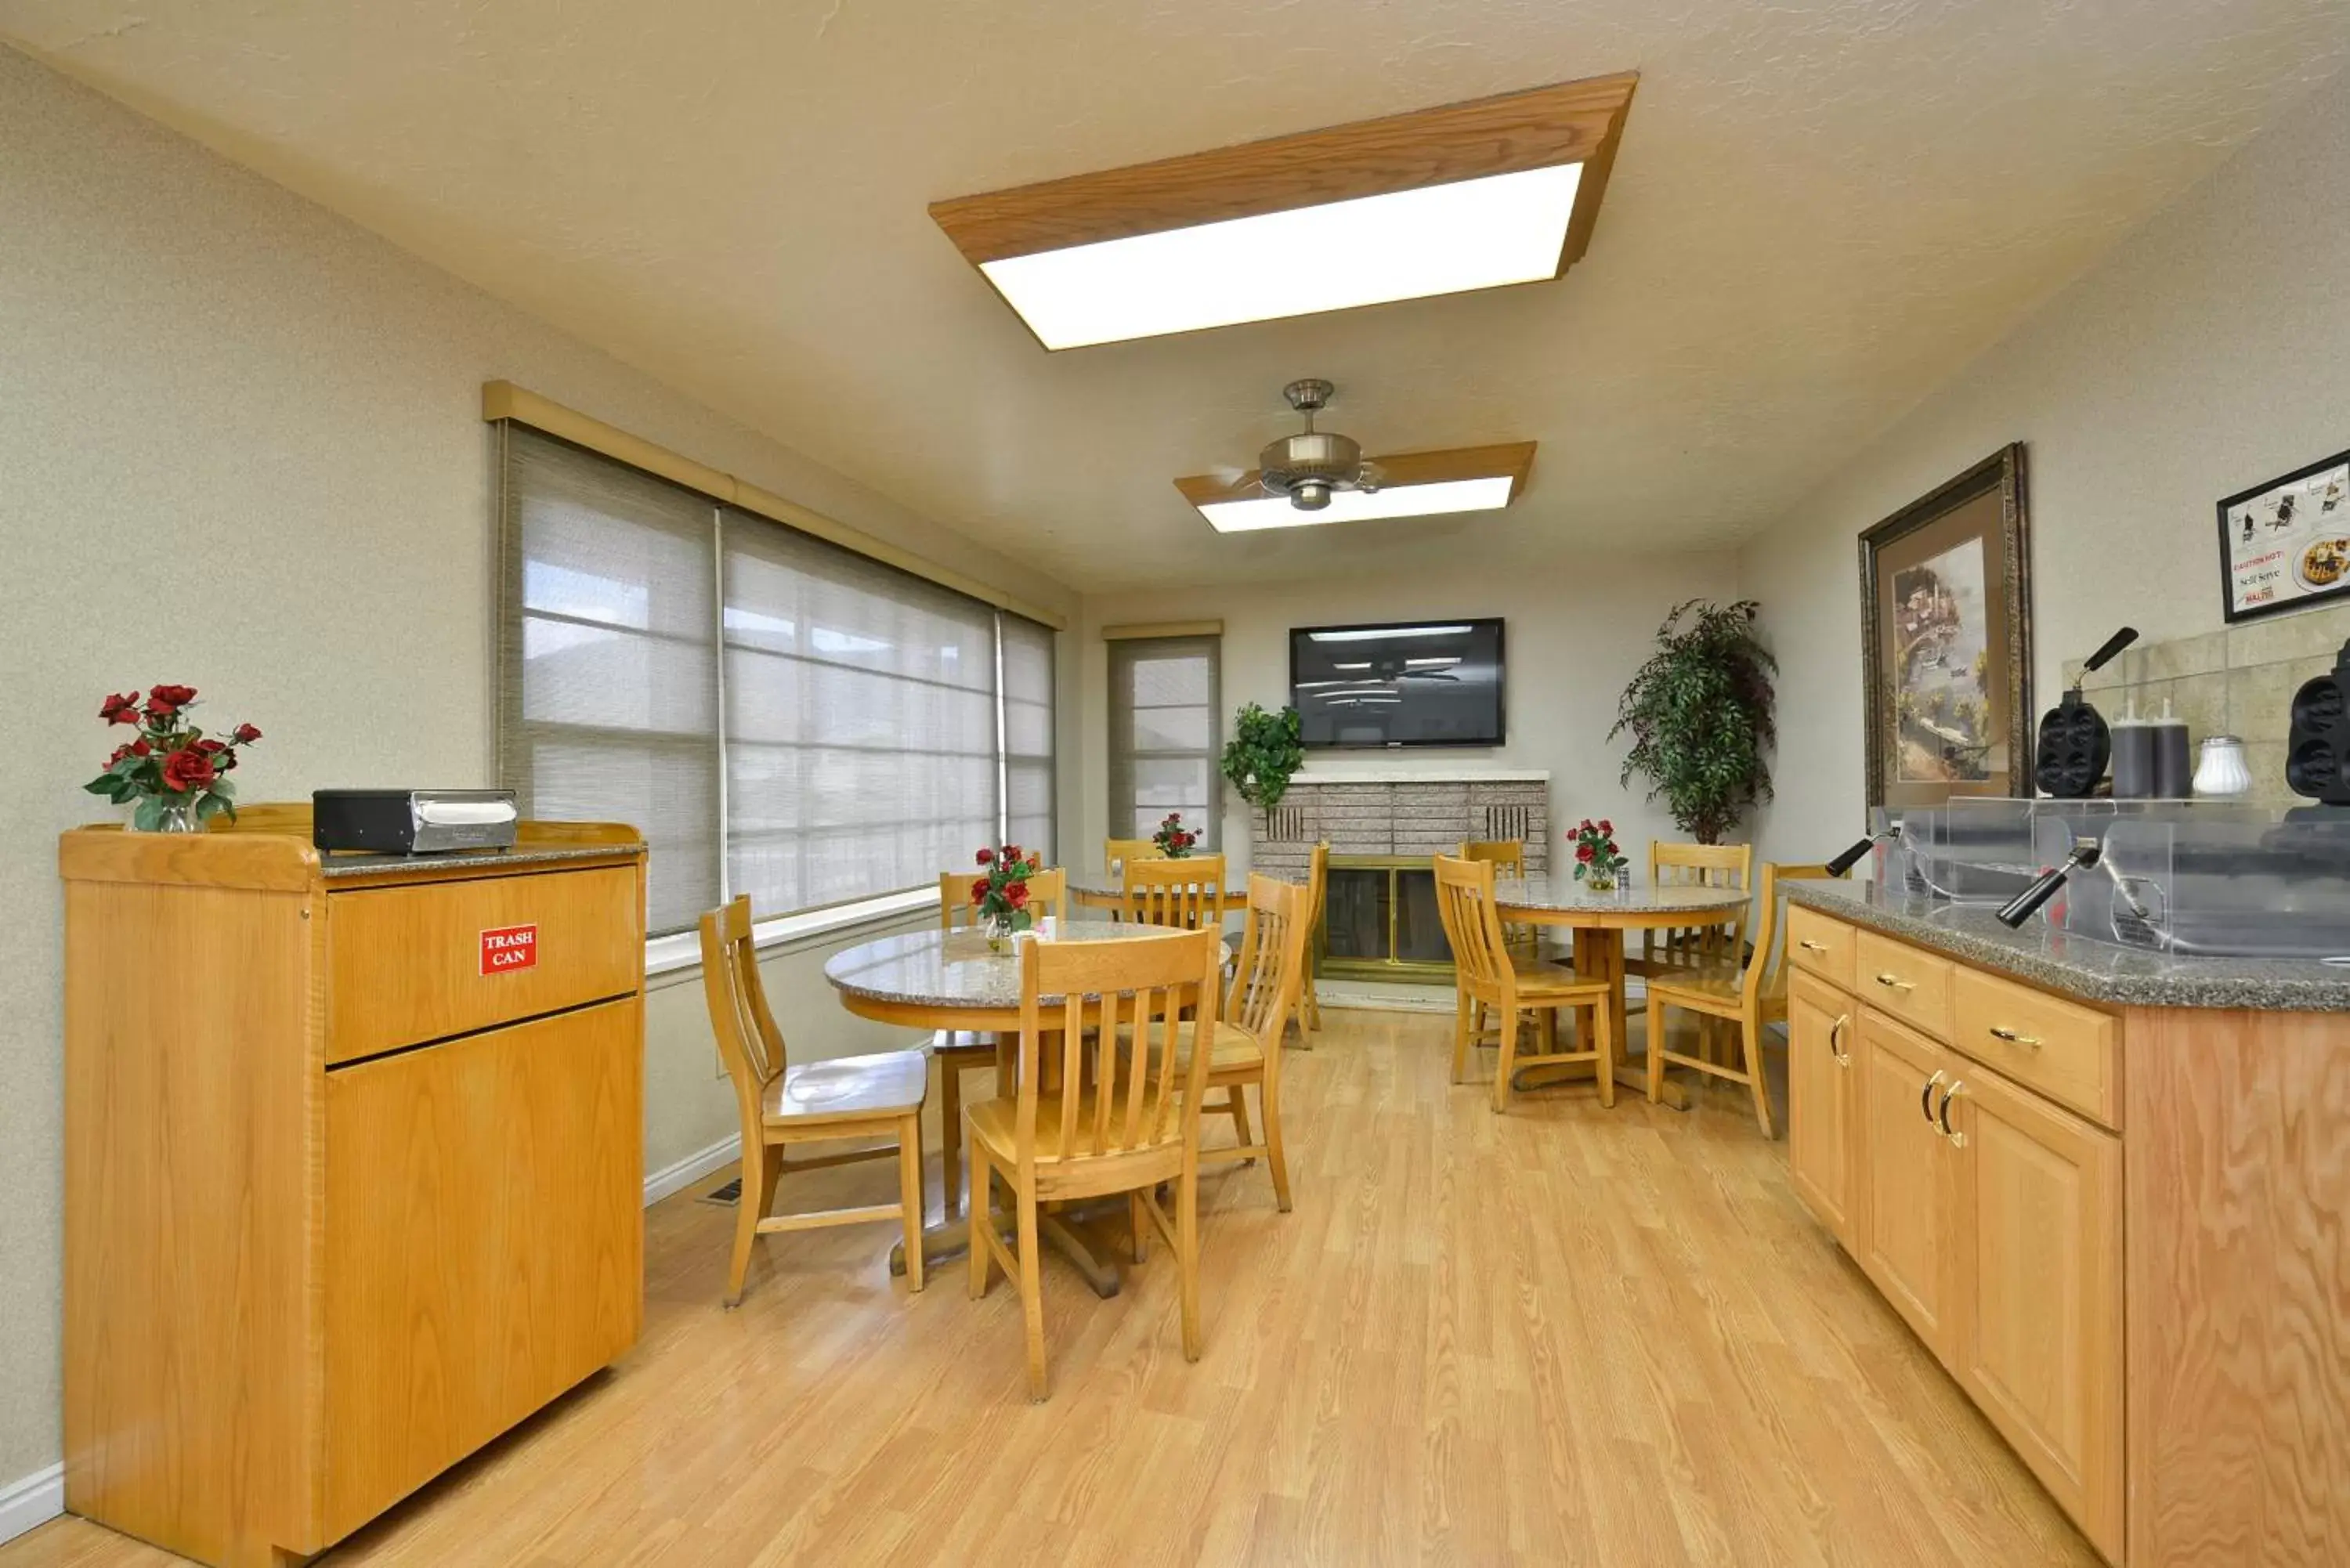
1564	1336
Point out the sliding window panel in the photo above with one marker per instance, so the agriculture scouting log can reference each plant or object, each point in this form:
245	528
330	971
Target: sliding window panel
608	659
860	722
1163	753
1028	798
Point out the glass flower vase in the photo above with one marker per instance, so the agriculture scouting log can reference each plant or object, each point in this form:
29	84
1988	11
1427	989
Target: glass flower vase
171	816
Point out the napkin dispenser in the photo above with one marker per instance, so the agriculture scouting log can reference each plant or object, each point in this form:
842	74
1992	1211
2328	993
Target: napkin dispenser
412	821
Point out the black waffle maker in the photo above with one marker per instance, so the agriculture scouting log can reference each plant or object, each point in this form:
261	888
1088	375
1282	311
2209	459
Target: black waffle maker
2074	744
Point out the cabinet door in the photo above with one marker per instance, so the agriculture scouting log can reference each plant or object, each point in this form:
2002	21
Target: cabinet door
1908	1198
2040	1348
1821	1068
484	1242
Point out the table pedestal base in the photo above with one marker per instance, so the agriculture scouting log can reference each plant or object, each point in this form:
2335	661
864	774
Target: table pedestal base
1080	1232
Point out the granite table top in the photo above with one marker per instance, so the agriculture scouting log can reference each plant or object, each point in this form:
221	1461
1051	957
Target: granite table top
2093	970
952	968
1565	896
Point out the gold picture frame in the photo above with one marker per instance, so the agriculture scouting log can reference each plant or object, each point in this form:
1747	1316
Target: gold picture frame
1945	636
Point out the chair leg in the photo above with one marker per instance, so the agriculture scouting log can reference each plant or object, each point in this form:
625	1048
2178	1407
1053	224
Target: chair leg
983	1222
1751	1026
1137	1218
950	1135
1031	1291
1270	1097
1656	1047
749	1209
1236	1105
909	1194
1509	1058
1603	1038
1187	1255
1461	1018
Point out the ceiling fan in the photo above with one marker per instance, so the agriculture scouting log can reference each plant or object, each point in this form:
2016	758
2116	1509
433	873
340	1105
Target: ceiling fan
1309	466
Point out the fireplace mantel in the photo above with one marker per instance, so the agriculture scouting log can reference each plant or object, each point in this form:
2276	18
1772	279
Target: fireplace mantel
1411	812
1419	775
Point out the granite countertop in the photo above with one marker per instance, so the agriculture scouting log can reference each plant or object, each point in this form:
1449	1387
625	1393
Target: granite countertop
2096	972
956	969
349	863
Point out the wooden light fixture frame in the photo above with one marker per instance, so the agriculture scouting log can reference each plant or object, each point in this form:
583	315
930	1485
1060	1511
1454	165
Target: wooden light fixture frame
1514	459
1540	127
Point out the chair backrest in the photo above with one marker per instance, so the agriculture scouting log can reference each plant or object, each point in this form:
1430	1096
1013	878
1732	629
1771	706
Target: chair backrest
748	1040
1672	864
1048	894
1506	856
1138	1100
1766	971
1272	962
1186	894
1317	884
1473	925
1118	852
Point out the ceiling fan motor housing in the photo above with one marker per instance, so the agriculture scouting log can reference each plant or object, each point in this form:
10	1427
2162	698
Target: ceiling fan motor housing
1307	467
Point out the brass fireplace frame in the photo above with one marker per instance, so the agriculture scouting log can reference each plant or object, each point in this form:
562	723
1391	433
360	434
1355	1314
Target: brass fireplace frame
1391	968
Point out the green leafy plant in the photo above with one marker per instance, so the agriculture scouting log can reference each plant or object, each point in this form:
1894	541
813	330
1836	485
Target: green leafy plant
1700	715
1265	751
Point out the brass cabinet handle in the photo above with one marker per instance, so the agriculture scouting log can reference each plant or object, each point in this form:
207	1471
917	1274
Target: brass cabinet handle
1958	1139
1810	946
1896	983
2013	1038
1835	1033
1926	1097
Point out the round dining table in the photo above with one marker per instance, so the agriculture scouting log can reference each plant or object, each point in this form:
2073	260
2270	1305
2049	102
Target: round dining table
953	980
1599	921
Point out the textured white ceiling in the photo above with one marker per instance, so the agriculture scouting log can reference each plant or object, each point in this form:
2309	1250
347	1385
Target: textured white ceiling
1821	209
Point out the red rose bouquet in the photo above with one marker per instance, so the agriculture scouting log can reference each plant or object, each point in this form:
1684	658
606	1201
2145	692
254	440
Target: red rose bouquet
1000	891
1174	840
1597	864
177	775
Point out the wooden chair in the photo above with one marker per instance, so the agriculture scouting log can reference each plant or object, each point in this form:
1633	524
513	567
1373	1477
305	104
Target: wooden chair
958	1051
1112	1120
1186	894
1488	976
1247	1049
1748	999
1118	852
820	1102
1317	889
1676	864
1507	857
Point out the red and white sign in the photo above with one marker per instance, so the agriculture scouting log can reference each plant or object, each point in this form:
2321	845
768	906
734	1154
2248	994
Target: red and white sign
509	947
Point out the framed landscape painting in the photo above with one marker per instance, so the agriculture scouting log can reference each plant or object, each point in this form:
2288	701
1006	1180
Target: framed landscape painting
1946	608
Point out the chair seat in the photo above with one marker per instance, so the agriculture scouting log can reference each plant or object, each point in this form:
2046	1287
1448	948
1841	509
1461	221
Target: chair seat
1720	990
959	1044
847	1088
996	1122
1235	1048
1538	981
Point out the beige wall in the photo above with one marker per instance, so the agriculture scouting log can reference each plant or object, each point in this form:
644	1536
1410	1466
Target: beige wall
1577	631
2208	353
241	447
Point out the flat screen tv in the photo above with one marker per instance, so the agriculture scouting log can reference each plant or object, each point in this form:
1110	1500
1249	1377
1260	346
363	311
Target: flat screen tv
1426	683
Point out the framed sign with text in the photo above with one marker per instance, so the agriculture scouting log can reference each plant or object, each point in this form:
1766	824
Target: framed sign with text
2287	542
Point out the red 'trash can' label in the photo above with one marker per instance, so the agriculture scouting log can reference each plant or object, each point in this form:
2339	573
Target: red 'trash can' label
509	947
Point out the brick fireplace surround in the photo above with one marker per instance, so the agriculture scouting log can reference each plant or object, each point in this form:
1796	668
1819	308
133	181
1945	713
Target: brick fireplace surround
1398	812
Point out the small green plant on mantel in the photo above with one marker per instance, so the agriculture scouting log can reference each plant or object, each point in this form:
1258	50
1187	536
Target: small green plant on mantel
1700	714
1264	749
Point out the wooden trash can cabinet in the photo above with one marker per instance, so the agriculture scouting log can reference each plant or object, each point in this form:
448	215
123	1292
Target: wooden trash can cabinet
354	1167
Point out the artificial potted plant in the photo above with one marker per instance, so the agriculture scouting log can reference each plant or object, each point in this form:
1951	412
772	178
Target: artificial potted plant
1265	751
1700	714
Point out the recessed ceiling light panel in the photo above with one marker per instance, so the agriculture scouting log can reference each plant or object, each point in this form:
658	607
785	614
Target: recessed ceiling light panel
1472	196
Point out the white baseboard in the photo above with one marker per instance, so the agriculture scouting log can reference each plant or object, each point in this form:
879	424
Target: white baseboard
691	1168
32	1501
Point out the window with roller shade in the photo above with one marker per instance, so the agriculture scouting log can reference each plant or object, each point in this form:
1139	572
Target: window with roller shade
780	716
1163	753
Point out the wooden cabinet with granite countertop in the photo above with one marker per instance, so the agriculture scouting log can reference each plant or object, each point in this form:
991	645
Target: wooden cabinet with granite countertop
2105	1189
